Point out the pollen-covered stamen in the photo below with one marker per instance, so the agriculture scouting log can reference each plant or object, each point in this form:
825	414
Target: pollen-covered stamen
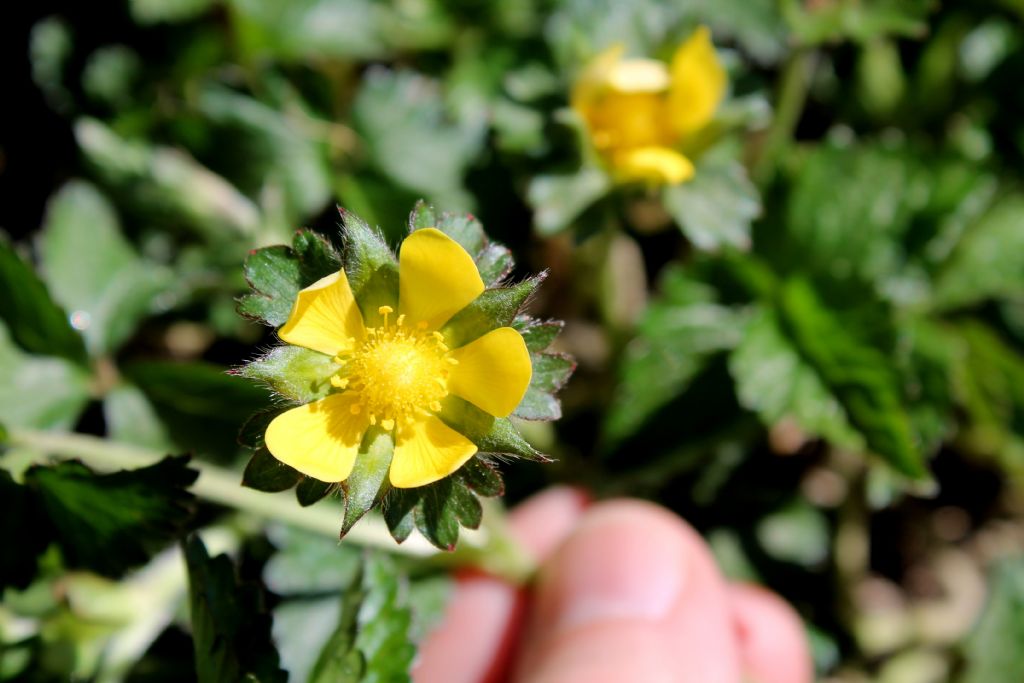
397	374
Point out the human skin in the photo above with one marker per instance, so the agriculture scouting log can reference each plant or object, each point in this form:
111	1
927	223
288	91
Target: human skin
627	591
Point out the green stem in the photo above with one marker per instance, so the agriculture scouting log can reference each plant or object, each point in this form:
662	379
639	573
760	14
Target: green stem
793	88
492	548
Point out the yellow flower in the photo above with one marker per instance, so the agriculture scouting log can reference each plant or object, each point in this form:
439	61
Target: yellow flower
396	375
639	111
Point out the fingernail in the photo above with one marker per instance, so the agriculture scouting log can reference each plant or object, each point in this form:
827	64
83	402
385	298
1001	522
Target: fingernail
617	570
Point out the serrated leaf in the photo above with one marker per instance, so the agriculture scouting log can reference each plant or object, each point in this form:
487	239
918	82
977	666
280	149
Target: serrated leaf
774	381
989	261
482	478
551	371
310	491
40	392
254	429
36	323
679	333
399	510
368	483
25	530
371	641
557	200
230	626
444	505
277	274
859	375
295	373
266	473
538	334
538	405
494	308
93	271
109	523
992	651
716	208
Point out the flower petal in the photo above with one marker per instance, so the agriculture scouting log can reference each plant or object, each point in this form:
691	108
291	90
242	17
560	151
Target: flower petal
494	371
652	164
437	278
593	81
428	450
698	83
325	317
320	439
639	75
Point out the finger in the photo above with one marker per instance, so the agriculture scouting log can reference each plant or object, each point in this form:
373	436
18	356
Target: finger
635	573
772	641
484	617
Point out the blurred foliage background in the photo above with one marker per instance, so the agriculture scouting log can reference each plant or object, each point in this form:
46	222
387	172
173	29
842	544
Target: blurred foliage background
813	351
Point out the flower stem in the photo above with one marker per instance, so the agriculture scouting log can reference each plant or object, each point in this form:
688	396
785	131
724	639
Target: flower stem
490	548
793	88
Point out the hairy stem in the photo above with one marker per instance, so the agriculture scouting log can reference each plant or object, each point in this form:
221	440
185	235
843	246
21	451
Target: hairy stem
490	548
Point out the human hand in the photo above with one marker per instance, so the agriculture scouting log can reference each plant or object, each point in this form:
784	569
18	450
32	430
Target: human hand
627	592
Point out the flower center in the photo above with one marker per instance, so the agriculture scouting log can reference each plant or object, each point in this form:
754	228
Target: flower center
398	374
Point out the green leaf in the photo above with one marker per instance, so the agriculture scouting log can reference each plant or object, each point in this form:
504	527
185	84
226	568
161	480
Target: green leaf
265	146
716	208
25	531
774	381
797	532
368	483
230	626
679	332
131	418
40	392
858	20
294	373
557	200
109	523
371	641
201	405
551	371
36	323
409	138
277	274
859	375
254	429
494	308
482	478
168	11
538	405
992	651
166	185
989	261
266	473
493	260
490	434
93	270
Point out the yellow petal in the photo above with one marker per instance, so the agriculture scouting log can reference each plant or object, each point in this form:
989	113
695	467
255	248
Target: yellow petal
652	164
593	81
436	278
639	75
494	371
426	451
320	439
325	317
698	83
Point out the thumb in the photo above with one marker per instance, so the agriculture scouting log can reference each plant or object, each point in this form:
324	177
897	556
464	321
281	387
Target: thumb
632	595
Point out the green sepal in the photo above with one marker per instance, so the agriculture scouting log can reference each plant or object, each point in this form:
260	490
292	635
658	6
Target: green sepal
490	434
37	323
277	274
370	265
230	625
368	481
309	491
292	372
493	309
538	334
493	260
266	473
254	429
